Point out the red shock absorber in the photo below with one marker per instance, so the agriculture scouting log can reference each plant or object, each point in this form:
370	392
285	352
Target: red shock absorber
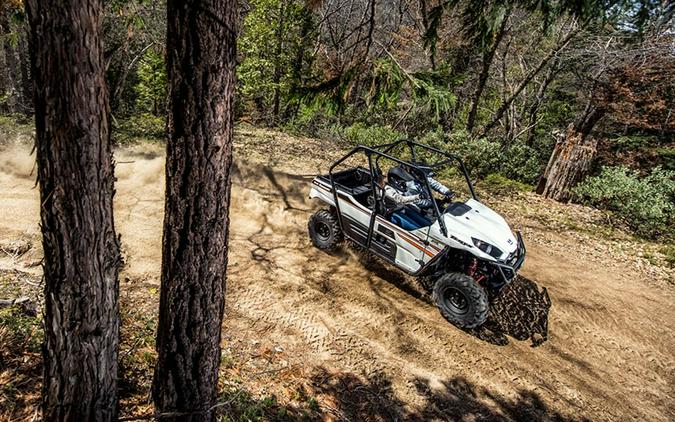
473	267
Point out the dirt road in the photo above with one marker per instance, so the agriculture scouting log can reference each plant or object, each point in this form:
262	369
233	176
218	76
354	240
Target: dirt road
368	338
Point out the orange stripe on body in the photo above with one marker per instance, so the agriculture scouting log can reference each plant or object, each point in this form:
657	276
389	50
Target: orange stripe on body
412	239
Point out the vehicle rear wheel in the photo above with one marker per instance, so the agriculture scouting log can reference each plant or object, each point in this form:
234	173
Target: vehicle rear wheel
461	300
324	230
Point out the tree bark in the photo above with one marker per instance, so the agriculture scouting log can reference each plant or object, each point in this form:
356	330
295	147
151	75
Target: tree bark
75	173
570	162
201	47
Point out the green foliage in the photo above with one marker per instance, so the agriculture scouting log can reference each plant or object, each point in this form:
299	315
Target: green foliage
387	84
645	204
428	90
481	156
314	121
274	42
669	252
632	143
361	134
522	162
499	185
139	126
486	156
151	87
666	157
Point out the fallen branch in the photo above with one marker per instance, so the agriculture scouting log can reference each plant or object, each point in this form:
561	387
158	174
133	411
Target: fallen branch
27	306
4	303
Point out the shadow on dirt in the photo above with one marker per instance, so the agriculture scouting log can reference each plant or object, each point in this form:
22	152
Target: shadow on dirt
344	396
520	311
354	398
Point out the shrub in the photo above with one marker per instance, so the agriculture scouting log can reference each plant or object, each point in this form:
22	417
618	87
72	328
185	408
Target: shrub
645	204
361	134
484	156
481	156
669	252
499	185
667	157
521	163
315	122
143	125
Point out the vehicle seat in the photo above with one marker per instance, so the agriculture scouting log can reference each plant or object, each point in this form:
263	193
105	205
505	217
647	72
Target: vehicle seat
358	190
409	219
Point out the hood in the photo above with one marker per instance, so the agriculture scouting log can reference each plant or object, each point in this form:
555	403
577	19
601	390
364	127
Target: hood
476	220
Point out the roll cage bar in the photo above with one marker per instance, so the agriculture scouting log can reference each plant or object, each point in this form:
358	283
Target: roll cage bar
383	151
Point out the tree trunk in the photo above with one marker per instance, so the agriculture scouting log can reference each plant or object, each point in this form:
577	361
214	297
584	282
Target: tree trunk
201	48
486	63
75	173
570	161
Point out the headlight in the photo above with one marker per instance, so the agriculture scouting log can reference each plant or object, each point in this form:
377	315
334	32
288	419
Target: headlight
489	249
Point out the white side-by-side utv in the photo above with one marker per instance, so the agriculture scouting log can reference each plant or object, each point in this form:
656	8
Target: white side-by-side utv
467	251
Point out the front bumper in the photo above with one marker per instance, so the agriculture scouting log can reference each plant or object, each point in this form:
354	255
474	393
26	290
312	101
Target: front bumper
510	266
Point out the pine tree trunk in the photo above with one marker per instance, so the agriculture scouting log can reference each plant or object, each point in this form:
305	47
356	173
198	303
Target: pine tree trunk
81	249
201	47
570	161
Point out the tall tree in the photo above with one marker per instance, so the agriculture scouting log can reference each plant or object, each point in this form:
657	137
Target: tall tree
81	249
619	87
201	57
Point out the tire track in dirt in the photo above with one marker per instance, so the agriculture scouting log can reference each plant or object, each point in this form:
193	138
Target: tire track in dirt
609	355
371	321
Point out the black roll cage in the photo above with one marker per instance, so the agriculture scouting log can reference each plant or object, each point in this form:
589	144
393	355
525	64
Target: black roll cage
382	151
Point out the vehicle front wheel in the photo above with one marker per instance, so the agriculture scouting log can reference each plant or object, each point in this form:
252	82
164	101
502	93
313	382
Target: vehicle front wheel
461	300
324	230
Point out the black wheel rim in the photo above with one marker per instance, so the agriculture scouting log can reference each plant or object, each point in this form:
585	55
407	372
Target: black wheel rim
455	301
322	230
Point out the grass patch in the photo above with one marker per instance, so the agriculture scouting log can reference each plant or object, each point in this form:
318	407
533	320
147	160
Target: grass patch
137	355
20	363
669	252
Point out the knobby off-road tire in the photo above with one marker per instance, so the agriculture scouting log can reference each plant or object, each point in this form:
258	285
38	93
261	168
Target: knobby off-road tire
324	230
461	300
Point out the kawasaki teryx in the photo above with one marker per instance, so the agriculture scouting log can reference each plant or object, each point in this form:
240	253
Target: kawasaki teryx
465	251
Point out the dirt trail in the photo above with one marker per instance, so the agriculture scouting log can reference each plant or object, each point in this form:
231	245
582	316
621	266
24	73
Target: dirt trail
609	355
